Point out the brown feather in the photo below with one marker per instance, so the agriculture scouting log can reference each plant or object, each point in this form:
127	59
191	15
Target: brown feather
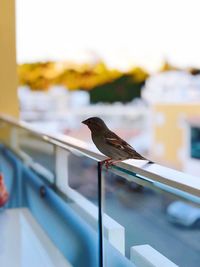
114	140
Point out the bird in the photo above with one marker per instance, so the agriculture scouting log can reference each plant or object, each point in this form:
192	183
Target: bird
110	144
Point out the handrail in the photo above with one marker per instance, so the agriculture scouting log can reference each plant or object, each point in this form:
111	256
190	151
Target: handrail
153	172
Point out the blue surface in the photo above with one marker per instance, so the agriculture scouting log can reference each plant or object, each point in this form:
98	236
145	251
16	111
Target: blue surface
70	233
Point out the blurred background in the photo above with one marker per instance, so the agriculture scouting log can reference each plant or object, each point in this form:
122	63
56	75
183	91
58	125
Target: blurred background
133	63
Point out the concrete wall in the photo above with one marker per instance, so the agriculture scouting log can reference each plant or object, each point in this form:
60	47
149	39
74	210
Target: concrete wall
168	132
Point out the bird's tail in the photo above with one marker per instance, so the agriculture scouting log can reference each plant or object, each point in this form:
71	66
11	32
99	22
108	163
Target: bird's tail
147	164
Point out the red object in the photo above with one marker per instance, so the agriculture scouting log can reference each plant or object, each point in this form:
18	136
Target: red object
3	192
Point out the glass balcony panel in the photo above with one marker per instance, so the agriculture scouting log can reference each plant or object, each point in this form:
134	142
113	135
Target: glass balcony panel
59	208
166	219
83	176
38	149
143	219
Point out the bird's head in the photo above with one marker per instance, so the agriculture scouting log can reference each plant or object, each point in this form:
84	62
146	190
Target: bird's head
95	124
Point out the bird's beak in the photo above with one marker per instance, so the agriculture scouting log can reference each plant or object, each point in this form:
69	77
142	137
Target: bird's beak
84	122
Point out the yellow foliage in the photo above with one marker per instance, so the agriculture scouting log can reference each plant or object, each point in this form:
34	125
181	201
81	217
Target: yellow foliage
42	75
139	74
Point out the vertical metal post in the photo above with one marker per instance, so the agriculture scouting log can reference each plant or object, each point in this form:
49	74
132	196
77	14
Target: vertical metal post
100	214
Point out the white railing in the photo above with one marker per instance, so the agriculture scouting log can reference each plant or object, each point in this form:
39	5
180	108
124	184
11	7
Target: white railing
152	172
113	231
155	176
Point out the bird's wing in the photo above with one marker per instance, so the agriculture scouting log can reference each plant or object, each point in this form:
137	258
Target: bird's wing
115	141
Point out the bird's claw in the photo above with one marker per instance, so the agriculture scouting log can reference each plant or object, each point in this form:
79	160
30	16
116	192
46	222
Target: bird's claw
110	162
107	163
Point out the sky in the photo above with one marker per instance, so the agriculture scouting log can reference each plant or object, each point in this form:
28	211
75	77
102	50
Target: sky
123	33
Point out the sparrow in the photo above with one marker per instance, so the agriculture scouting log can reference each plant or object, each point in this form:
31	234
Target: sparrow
110	144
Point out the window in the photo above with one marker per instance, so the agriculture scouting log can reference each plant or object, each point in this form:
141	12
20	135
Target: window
195	142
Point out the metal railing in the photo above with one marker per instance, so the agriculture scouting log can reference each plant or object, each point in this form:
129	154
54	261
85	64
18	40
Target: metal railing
154	176
154	173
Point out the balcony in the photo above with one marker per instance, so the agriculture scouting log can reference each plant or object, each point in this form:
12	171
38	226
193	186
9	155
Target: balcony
64	210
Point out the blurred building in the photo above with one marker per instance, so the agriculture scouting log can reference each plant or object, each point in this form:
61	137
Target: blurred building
174	97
